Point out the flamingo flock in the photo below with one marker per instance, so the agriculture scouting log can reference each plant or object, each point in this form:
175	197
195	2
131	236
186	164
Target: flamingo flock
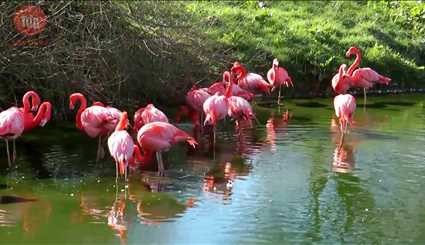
354	77
152	132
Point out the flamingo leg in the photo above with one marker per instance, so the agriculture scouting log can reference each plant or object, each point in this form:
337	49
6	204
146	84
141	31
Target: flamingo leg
13	151
8	153
214	140
346	127
160	163
201	123
364	94
278	97
125	173
214	137
99	145
341	142
116	173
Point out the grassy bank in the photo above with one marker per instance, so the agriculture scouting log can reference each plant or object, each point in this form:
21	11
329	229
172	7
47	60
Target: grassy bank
310	38
129	53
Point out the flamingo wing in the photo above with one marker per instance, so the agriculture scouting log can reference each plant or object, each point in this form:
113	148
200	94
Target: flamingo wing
121	145
196	98
11	123
97	120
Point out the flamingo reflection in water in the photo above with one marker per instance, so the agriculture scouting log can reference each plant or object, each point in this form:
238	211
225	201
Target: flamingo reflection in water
343	158
276	128
117	221
136	200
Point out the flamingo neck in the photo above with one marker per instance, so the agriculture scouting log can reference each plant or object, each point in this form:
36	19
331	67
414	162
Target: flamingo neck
83	105
227	78
228	92
123	123
43	113
356	63
35	100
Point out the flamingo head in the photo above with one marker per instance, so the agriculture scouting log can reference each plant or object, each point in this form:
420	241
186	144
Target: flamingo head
352	51
239	69
73	99
275	63
226	77
210	119
341	81
47	113
31	99
123	123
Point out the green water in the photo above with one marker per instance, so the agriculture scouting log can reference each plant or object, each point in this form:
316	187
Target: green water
280	182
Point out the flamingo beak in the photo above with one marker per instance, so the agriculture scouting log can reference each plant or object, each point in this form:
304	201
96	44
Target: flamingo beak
348	54
43	122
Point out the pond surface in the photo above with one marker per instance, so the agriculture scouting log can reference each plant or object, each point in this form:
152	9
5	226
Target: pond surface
282	181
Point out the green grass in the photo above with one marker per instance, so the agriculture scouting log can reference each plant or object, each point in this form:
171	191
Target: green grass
310	38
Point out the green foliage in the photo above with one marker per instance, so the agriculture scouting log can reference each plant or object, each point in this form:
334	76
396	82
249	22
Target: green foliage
310	38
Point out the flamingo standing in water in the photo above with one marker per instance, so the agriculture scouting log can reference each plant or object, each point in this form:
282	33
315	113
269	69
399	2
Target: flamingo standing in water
146	115
345	105
160	136
363	77
277	77
215	109
251	82
121	146
220	87
96	120
238	108
195	99
11	127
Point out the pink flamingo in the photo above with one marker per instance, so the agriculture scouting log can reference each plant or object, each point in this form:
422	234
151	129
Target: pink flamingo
220	87
215	109
96	120
43	114
146	115
11	127
345	105
195	99
30	101
251	82
217	87
160	136
277	77
341	81
121	146
238	108
363	77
